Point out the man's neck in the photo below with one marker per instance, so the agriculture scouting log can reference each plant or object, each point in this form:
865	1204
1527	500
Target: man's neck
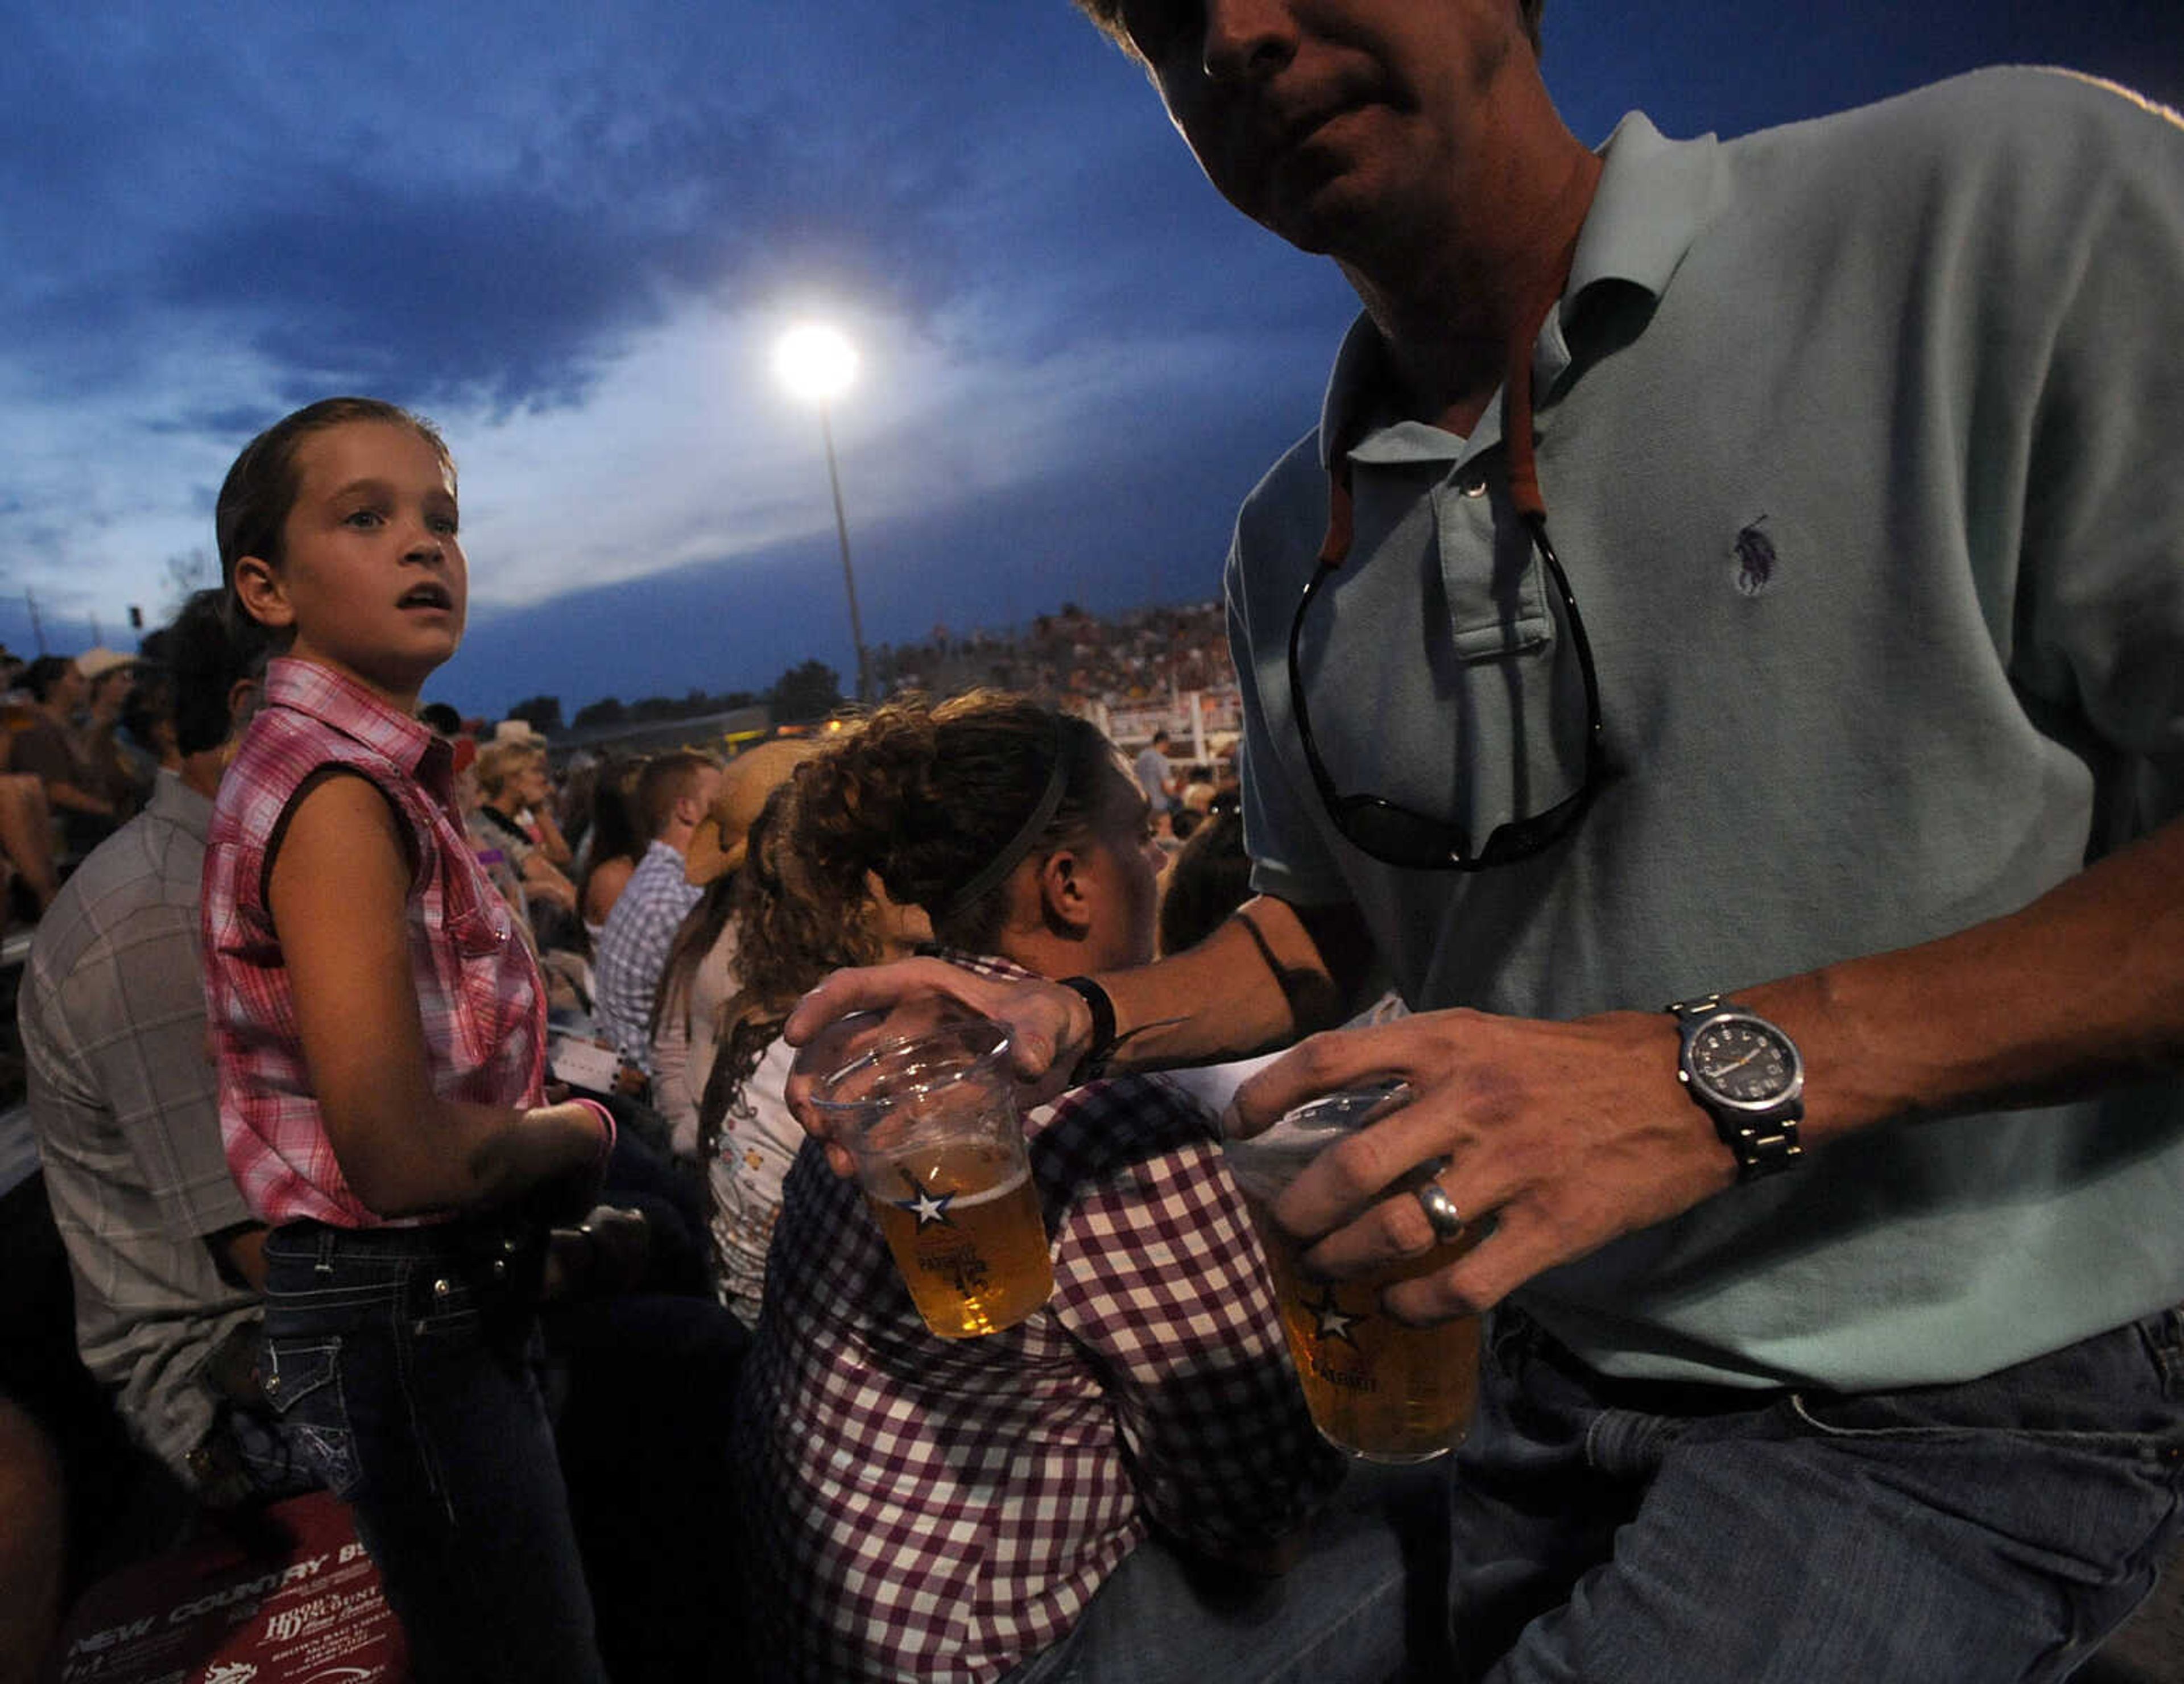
1449	302
201	771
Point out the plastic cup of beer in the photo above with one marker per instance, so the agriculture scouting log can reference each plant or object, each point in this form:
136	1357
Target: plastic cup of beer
1382	1390
932	1121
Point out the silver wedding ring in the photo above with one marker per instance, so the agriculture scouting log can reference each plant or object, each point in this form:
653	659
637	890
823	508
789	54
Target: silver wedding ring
1440	1211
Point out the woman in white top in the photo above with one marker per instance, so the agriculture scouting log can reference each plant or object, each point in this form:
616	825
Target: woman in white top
792	928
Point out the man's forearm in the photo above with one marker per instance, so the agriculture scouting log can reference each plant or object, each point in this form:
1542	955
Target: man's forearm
1272	972
1576	1132
2084	987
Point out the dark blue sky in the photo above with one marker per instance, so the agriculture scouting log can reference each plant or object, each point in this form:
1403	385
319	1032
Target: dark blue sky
570	234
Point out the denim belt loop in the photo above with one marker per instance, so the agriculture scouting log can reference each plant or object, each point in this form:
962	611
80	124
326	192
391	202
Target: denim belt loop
328	1239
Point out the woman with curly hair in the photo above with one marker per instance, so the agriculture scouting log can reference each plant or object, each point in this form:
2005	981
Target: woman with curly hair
979	1508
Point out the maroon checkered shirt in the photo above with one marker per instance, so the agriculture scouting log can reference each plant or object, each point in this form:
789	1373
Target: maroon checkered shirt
478	988
942	1509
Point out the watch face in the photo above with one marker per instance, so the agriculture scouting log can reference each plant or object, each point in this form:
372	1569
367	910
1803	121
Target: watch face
1744	1061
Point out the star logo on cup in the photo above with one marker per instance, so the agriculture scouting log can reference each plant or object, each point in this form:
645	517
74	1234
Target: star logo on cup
929	1208
1331	1320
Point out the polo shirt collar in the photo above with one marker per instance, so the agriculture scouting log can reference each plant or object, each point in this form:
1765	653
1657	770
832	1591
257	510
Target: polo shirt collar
342	705
175	803
1653	197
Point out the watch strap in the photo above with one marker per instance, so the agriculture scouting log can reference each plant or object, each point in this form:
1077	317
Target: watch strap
1093	1065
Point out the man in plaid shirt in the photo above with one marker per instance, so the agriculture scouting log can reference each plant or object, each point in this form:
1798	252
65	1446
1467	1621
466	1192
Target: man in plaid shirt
944	1510
675	795
163	1250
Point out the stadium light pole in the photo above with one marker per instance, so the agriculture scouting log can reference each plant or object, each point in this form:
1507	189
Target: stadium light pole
816	363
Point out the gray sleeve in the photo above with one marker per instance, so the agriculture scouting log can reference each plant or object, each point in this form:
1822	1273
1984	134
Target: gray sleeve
1289	857
2100	635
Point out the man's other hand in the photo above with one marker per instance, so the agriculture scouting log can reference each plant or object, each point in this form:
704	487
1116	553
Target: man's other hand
1565	1136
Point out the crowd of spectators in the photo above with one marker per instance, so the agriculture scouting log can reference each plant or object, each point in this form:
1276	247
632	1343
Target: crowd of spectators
133	1405
680	903
1072	659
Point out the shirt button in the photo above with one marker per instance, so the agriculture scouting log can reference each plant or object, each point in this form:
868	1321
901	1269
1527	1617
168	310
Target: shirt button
1473	487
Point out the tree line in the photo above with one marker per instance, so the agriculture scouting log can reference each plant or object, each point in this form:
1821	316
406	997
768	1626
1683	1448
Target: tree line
804	693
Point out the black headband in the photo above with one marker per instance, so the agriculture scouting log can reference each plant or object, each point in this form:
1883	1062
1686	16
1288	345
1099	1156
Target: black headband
1013	851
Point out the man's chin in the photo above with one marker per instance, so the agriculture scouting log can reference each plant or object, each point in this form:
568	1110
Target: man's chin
1326	224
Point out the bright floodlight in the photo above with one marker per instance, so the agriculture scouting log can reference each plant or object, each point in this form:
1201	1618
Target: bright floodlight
816	363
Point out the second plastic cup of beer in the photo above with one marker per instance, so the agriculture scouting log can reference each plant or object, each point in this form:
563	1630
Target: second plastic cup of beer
933	1123
1380	1388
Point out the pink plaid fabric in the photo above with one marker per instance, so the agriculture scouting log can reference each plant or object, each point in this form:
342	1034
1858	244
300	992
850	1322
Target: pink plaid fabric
478	988
943	1509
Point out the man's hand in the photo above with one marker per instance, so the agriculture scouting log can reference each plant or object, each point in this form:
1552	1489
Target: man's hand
1565	1135
1049	1027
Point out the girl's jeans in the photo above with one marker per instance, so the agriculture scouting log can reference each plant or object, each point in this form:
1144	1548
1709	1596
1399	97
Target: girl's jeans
403	1363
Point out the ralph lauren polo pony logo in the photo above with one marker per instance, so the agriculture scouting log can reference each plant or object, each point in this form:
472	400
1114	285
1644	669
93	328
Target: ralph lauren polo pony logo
1753	554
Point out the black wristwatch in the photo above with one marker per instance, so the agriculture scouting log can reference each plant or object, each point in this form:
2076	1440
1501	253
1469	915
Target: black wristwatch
1747	1074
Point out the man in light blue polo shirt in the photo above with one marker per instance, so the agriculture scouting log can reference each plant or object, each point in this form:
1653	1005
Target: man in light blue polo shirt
1750	575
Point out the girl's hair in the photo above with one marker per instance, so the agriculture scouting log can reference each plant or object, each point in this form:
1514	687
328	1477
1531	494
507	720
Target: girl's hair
935	799
794	924
252	514
613	825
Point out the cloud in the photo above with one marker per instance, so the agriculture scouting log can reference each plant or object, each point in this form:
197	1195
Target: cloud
567	235
567	231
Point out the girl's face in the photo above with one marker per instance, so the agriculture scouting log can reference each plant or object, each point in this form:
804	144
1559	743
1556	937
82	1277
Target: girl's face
374	580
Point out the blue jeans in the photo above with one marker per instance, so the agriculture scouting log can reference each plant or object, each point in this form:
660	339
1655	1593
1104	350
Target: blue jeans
1999	1529
1365	1602
401	1362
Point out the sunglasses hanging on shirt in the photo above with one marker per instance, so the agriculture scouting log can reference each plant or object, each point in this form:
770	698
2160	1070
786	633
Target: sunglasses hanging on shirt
1388	831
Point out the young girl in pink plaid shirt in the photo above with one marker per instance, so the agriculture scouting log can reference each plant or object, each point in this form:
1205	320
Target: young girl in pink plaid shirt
381	1030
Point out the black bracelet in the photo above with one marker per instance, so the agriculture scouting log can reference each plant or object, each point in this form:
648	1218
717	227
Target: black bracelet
1094	1064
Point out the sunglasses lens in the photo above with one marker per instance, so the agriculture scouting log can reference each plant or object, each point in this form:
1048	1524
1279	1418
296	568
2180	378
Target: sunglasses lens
1398	837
